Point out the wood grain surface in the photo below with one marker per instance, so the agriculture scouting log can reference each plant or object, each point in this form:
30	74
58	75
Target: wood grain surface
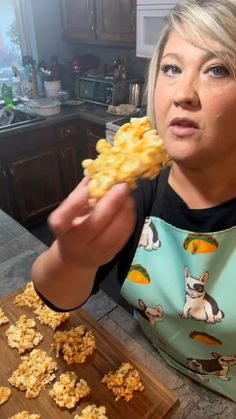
155	402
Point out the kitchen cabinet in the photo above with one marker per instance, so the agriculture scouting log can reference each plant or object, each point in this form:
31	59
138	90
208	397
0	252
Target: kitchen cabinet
39	168
93	134
72	145
100	21
78	18
36	184
32	169
150	22
116	20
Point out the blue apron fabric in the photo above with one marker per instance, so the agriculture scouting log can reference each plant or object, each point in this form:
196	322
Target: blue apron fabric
182	285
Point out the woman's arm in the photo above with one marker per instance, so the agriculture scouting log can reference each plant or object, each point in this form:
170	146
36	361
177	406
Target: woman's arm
85	240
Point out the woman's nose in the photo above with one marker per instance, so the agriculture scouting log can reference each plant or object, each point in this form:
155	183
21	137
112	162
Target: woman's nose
186	94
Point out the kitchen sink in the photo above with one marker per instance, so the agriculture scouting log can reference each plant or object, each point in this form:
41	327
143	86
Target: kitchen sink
20	118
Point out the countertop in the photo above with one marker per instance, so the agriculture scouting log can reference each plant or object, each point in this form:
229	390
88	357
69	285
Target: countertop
93	113
18	250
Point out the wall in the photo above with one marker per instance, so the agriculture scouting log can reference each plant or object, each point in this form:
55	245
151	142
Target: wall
108	54
48	31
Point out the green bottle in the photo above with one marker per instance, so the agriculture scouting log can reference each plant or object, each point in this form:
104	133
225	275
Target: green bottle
7	95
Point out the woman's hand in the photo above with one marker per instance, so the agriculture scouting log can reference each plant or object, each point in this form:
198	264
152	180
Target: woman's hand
90	238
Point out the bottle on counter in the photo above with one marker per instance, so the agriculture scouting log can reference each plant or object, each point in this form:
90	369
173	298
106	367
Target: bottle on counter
116	69
123	68
7	95
34	82
16	86
123	72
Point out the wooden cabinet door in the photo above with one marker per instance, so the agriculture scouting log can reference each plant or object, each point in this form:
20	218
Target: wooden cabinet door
36	183
71	167
116	20
93	134
71	138
4	194
79	19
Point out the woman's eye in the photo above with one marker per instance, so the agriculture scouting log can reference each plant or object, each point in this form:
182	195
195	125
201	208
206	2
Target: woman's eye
218	71
170	70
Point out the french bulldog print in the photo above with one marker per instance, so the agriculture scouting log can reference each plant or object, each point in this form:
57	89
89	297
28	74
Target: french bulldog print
153	315
219	365
149	237
198	304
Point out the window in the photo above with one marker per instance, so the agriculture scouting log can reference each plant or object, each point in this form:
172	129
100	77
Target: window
10	50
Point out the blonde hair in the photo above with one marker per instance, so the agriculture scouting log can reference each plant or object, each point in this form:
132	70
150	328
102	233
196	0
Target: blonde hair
196	21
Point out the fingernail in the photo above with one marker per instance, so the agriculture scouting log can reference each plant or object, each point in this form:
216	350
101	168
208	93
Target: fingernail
121	188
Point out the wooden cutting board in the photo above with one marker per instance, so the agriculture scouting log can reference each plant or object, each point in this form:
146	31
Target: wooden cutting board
154	402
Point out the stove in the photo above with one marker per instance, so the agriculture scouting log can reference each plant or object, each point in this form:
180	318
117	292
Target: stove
117	123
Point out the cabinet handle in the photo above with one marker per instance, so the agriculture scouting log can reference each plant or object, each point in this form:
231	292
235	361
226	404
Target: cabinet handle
12	172
132	20
65	132
91	16
62	155
3	172
91	134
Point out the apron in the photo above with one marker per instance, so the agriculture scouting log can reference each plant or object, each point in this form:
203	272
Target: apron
182	286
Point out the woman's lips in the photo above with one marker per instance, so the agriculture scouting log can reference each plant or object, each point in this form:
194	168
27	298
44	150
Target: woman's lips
182	127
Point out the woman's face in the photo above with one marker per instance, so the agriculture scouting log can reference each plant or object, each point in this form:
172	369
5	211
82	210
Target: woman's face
195	104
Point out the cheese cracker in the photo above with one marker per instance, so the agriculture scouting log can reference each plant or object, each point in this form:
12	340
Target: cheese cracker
137	152
92	412
5	393
3	318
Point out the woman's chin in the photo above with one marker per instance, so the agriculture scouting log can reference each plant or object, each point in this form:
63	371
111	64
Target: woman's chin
186	160
182	155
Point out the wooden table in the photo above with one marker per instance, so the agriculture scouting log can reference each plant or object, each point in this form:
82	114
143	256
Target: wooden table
18	249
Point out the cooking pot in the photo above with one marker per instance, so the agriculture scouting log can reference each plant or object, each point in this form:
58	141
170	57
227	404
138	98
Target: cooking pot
135	94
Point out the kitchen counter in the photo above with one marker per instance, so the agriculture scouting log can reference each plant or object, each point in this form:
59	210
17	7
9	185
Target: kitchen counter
18	250
93	113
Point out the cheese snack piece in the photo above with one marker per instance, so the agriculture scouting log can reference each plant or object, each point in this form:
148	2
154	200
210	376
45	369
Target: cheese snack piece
49	317
75	344
25	415
92	412
137	152
68	390
3	318
5	393
124	381
28	298
34	372
23	335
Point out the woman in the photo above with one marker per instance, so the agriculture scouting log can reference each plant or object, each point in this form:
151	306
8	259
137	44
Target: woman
174	239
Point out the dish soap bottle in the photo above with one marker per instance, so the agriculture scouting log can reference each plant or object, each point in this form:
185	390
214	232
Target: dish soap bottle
7	95
16	85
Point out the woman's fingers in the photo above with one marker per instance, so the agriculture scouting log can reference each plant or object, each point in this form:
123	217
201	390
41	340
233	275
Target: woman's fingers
75	205
106	210
107	226
117	233
80	243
